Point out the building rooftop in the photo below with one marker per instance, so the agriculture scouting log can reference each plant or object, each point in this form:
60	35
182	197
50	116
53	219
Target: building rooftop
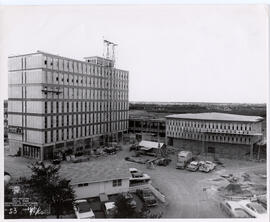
150	144
62	57
217	116
94	171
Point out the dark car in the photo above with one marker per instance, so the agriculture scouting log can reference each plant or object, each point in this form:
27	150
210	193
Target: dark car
133	147
56	161
136	160
163	162
147	197
110	150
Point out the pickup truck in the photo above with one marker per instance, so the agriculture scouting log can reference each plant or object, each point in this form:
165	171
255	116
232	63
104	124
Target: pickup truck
193	166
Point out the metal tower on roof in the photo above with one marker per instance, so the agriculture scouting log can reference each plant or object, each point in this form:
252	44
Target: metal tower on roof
109	50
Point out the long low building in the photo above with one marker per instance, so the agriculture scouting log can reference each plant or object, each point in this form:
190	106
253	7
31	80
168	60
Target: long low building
219	134
91	179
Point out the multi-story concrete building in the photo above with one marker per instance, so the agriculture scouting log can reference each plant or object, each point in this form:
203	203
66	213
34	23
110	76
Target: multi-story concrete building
57	104
226	135
5	120
154	126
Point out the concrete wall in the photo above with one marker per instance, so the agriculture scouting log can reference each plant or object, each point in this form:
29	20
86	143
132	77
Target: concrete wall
13	145
14	106
94	189
35	137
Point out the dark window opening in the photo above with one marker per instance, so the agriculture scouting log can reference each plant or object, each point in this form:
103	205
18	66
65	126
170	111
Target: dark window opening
211	150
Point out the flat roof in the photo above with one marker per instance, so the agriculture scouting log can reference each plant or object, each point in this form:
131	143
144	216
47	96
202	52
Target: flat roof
95	171
150	144
217	116
65	58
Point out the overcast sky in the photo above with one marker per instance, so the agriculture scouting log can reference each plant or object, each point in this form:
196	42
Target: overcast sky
173	53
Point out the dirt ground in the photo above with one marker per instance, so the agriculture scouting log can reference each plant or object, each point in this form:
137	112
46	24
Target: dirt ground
188	194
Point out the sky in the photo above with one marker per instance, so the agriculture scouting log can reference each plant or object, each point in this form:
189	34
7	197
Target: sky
176	53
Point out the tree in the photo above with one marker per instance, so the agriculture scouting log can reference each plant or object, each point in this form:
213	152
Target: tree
51	189
124	210
146	213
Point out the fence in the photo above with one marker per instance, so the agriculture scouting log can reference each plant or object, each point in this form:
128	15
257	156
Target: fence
159	195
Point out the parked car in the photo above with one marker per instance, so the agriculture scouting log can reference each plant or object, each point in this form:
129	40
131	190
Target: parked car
206	166
137	174
110	150
163	162
56	161
82	210
133	147
193	166
233	209
130	200
136	160
147	197
109	209
262	200
253	208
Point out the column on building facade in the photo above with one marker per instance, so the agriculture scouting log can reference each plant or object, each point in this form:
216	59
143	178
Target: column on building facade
251	151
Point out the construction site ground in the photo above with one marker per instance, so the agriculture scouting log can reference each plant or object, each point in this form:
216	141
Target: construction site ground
188	194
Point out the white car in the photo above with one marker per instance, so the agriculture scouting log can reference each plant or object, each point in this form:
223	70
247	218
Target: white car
137	174
253	208
233	209
82	210
206	166
193	166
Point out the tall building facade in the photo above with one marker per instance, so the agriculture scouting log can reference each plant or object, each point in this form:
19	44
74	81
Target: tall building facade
221	134
59	105
5	121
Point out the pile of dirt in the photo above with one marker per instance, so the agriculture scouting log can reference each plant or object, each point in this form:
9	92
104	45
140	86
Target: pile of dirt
234	188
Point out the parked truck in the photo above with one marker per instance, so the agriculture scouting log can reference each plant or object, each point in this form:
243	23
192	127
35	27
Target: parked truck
183	158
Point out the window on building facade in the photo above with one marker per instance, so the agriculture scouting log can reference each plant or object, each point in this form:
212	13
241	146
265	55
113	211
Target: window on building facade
45	122
117	183
83	185
46	139
46	107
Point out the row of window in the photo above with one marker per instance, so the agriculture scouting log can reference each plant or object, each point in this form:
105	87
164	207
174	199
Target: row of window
214	138
68	133
84	68
96	82
80	119
138	123
75	93
67	107
31	151
115	183
210	125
